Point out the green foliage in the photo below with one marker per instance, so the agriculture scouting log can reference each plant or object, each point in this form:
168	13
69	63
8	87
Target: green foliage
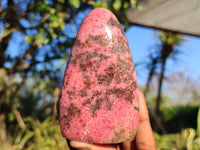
117	4
175	118
164	142
180	117
46	135
171	38
187	139
103	4
198	125
28	39
40	38
75	3
38	135
36	97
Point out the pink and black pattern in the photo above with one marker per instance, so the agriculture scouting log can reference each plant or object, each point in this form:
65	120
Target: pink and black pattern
99	99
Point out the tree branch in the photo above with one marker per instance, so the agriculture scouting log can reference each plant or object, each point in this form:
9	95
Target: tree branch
18	117
3	46
24	57
56	97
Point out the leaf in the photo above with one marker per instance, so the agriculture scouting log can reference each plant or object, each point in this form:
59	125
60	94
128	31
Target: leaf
62	1
125	5
11	117
54	21
40	38
117	4
198	121
191	135
6	32
41	6
26	138
100	4
52	10
28	39
134	3
75	3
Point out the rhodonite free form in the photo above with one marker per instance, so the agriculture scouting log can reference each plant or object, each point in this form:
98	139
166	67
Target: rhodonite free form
99	98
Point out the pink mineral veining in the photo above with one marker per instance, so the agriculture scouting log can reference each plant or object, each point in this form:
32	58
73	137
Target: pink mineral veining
99	99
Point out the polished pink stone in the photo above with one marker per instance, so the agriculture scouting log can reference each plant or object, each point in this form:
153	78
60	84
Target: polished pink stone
99	99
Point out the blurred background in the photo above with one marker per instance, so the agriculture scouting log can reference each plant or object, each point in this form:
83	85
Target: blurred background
36	37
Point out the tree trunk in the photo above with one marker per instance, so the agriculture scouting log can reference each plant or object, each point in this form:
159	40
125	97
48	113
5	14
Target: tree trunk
18	117
3	47
153	66
158	100
2	128
56	97
146	90
160	126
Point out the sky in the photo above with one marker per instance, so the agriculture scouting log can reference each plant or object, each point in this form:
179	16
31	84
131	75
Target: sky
142	39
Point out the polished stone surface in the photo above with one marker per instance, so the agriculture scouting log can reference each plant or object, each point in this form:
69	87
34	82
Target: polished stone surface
99	99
